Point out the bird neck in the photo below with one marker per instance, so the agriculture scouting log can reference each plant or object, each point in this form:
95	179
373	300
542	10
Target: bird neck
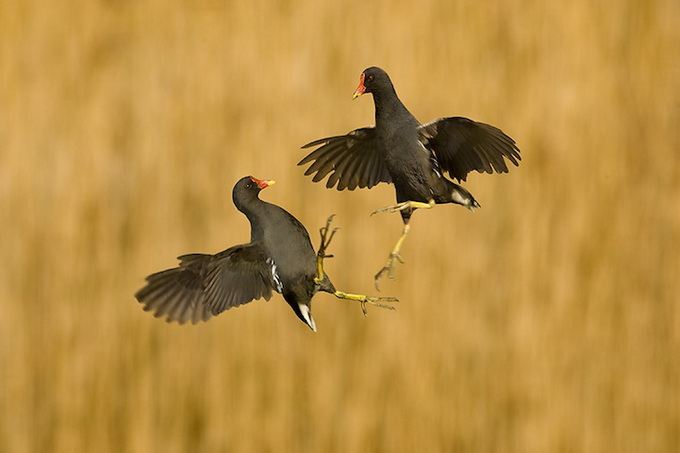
388	105
256	229
252	208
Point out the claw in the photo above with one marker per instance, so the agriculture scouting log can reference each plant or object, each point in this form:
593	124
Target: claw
388	269
325	242
363	300
325	237
376	302
405	205
393	208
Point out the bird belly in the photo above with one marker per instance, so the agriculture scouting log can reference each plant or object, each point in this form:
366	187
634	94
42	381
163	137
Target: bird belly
409	165
411	184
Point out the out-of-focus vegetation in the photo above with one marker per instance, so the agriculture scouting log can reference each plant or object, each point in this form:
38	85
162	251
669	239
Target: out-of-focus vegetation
547	321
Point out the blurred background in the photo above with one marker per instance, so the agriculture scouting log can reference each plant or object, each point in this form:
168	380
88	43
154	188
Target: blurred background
546	321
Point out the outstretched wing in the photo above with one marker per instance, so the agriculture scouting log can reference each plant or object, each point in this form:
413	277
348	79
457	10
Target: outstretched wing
207	285
353	159
462	145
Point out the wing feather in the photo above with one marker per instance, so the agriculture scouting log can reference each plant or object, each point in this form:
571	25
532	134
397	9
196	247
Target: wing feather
352	160
462	145
206	285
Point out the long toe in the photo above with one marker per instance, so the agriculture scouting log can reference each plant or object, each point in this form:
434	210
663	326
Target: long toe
381	301
389	269
378	302
393	208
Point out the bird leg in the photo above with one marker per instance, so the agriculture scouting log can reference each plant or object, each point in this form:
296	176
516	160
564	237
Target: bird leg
325	242
405	205
408	207
363	300
321	254
390	265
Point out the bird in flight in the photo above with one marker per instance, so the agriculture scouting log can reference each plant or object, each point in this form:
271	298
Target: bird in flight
414	157
279	257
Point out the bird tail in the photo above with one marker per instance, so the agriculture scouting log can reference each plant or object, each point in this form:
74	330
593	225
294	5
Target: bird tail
461	196
302	308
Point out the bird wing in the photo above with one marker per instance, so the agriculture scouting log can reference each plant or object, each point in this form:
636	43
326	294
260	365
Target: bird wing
353	159
462	145
207	285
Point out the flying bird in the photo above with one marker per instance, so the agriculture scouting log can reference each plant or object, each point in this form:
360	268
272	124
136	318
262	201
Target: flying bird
279	257
412	156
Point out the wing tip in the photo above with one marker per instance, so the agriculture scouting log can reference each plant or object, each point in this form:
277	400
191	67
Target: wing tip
317	142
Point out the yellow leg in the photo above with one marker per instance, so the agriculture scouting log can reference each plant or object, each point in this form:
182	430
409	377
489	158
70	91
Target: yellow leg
405	205
321	254
400	241
390	265
363	300
319	269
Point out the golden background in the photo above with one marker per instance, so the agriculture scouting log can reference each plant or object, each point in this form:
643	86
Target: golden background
547	321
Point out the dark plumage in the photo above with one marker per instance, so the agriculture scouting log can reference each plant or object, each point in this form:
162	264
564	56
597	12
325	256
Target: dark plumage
412	156
279	257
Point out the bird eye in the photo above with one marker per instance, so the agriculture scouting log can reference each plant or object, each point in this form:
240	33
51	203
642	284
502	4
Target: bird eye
370	78
249	185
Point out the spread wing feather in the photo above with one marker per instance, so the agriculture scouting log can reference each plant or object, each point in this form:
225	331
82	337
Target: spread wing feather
462	145
206	285
352	160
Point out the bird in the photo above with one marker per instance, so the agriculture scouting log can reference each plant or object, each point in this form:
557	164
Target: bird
414	157
279	257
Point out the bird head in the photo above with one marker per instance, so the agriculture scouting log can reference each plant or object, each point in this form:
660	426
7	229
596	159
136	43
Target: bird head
371	80
247	190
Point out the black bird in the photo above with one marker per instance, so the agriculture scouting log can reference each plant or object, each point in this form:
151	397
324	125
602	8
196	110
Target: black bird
279	257
412	156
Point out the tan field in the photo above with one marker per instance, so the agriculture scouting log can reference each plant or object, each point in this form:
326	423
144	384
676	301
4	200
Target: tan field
547	321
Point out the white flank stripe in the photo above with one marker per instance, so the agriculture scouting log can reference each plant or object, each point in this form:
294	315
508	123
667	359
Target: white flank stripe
275	276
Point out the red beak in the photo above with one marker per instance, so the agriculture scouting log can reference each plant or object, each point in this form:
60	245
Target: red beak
361	89
263	183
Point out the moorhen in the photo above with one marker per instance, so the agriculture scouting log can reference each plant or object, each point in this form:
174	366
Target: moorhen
279	257
412	156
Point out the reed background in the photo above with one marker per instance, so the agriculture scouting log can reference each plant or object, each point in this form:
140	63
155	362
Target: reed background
546	321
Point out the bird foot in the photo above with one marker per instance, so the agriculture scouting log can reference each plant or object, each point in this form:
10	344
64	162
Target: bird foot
392	208
326	239
363	300
378	302
405	205
388	268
